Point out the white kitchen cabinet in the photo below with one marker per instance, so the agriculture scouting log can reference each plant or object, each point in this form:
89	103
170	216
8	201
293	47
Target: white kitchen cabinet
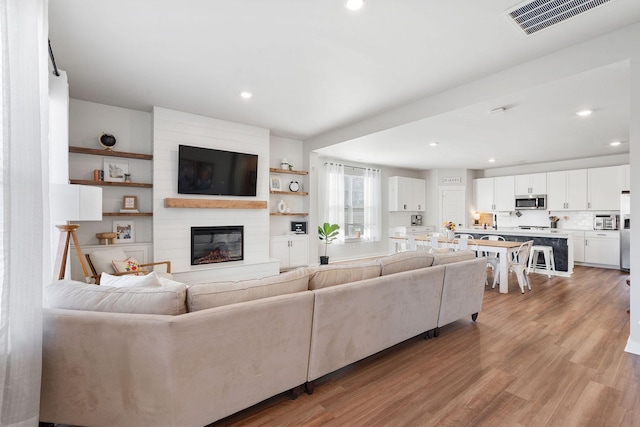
602	247
291	250
483	194
534	183
567	190
406	194
504	193
578	246
626	177
494	194
605	186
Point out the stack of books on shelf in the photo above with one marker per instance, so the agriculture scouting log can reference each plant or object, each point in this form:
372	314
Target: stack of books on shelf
129	211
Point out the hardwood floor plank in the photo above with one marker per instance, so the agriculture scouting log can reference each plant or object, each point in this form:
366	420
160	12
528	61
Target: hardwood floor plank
551	357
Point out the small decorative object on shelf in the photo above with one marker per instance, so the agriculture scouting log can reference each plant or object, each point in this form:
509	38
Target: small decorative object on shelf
294	186
282	206
276	185
284	164
129	204
107	141
124	231
106	238
114	171
127	177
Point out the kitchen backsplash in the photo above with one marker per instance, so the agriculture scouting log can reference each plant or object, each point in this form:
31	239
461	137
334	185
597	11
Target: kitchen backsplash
569	220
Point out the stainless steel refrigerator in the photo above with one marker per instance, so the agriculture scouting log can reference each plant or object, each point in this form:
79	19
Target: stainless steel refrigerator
625	230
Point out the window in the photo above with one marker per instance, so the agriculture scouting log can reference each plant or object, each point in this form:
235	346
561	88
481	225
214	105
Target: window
353	201
353	204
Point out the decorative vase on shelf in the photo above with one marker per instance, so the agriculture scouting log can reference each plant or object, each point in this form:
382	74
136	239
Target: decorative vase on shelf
450	234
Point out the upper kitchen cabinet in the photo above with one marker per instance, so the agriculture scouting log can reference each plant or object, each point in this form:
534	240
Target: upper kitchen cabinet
406	194
535	183
494	194
567	190
604	188
626	177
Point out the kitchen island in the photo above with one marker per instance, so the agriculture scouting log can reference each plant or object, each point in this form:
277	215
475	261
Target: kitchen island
560	240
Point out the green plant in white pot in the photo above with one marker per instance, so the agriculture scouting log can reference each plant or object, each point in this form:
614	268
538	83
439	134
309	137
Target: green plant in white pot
327	233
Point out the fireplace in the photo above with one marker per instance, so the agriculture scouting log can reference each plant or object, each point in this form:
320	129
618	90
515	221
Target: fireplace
217	244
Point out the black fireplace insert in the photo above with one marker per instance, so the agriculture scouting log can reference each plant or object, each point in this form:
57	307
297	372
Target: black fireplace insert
217	244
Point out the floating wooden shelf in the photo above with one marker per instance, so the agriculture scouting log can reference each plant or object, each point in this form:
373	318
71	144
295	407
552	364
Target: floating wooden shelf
214	204
293	172
291	193
110	153
288	214
127	214
110	183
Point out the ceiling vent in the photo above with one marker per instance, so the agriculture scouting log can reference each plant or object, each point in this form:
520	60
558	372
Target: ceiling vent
540	14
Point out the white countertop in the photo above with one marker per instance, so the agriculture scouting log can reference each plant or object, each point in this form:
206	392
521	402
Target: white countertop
514	231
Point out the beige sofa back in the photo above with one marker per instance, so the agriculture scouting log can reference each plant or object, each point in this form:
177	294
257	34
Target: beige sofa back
114	369
356	320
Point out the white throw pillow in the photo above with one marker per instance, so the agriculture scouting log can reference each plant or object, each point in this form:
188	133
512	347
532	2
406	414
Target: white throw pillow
151	280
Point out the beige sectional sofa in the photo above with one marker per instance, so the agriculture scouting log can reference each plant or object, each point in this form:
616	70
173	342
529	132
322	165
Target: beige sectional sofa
178	355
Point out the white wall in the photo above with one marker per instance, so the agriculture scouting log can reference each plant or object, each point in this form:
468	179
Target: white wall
172	227
132	129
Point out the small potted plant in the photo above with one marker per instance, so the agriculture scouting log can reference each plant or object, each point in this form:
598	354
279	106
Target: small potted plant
328	233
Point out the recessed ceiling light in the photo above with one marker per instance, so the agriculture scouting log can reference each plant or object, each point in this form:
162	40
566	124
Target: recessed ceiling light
433	144
246	95
354	4
615	143
492	160
584	113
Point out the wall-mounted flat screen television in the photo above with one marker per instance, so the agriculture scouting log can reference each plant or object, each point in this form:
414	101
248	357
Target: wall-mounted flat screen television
216	172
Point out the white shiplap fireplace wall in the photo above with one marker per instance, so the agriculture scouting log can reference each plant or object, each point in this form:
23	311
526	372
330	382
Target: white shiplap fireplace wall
172	226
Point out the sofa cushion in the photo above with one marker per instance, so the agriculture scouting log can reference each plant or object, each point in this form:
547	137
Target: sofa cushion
324	276
130	280
73	295
449	257
129	264
208	295
404	261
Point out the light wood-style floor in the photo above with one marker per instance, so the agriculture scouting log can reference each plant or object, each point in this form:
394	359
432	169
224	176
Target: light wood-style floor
551	357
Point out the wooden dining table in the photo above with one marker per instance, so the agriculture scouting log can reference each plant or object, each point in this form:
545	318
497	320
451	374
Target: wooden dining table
504	248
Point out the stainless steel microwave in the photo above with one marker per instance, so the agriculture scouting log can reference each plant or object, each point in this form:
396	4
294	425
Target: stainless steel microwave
538	201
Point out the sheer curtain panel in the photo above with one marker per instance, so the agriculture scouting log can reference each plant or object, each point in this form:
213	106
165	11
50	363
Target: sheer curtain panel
23	191
334	197
372	205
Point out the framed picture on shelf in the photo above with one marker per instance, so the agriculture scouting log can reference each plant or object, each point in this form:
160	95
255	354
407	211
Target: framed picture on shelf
276	184
130	202
124	231
115	171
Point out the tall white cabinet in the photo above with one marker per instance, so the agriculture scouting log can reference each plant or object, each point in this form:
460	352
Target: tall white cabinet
407	194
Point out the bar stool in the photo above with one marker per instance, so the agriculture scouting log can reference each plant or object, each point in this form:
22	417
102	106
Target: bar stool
549	263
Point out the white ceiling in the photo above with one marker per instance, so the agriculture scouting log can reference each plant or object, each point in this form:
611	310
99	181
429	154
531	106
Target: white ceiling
314	66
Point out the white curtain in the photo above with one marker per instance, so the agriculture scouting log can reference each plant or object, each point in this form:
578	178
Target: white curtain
372	205
334	197
24	193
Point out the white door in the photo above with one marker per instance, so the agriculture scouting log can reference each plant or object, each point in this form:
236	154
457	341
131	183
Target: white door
452	206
